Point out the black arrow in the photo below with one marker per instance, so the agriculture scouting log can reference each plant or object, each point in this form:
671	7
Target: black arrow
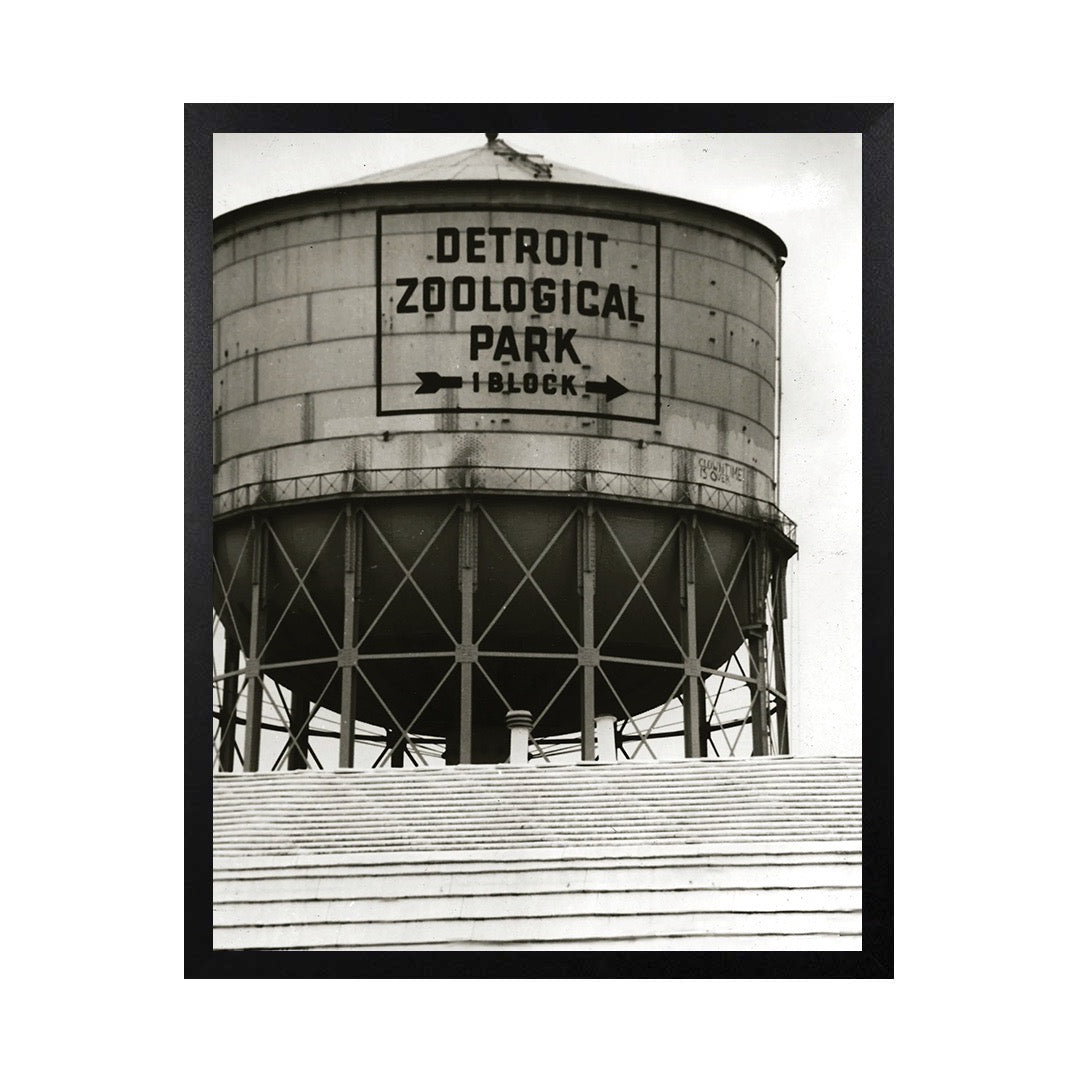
612	387
431	382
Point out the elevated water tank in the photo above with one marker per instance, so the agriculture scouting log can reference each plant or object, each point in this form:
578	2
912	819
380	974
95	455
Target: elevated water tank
491	433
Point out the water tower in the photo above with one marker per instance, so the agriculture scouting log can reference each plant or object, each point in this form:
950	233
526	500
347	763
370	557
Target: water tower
494	434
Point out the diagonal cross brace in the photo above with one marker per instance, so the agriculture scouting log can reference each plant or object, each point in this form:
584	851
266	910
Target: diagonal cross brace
640	582
407	577
410	744
300	584
527	571
293	738
227	589
726	603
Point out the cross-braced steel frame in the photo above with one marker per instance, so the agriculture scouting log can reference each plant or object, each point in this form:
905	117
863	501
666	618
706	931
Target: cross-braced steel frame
249	686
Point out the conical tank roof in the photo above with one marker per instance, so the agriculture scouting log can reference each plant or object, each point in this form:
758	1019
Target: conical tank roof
495	160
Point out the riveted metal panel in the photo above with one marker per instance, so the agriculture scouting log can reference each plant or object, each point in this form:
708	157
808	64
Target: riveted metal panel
714	282
311	230
317	329
766	316
710	380
332	264
263	327
234	287
748	345
693	328
701	241
336	414
716	285
343	313
246	429
255	241
234	385
357	223
223	253
320	366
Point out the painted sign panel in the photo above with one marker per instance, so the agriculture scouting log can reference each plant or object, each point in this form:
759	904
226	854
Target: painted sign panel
723	471
518	311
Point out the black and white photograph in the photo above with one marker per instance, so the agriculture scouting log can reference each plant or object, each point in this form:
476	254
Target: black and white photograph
504	566
535	469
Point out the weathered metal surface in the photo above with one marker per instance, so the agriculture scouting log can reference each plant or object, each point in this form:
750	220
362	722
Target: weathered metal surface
299	738
426	387
309	304
256	614
230	696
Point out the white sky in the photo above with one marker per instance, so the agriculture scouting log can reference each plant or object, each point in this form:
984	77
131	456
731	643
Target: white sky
806	187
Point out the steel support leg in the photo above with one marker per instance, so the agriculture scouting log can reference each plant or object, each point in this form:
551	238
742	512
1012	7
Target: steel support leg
466	651
756	631
779	614
256	638
397	753
692	688
298	732
587	657
347	656
759	710
695	715
230	695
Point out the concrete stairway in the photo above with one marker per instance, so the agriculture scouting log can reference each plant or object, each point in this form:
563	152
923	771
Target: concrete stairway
761	853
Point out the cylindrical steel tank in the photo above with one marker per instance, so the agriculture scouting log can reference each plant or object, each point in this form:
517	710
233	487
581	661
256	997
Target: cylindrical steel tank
491	433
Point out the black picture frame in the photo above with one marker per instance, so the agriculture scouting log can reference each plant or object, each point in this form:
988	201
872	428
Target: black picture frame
875	124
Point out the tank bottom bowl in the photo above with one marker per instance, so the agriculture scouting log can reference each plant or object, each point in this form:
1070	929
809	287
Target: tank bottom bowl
516	568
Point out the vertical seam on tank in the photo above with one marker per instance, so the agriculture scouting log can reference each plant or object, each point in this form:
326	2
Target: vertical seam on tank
659	302
308	420
378	313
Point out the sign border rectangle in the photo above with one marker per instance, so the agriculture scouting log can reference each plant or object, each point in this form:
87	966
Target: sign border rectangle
653	420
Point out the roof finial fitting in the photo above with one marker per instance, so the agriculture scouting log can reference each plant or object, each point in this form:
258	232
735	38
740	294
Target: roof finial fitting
491	136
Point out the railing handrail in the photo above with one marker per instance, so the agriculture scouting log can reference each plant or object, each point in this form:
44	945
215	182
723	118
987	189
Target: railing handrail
465	478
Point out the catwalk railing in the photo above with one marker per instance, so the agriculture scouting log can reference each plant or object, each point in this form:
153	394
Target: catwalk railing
499	478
